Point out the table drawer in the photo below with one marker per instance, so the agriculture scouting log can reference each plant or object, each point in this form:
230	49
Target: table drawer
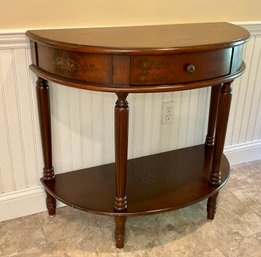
179	68
93	68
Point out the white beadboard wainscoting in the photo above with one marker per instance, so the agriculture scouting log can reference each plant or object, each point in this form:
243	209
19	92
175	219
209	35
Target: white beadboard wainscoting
83	129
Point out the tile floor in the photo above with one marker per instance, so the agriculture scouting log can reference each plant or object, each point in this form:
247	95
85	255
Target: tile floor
236	230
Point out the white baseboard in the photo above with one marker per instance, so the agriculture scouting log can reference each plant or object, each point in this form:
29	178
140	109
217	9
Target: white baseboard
26	202
242	153
22	203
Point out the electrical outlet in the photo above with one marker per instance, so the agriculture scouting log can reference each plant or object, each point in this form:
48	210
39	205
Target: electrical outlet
167	115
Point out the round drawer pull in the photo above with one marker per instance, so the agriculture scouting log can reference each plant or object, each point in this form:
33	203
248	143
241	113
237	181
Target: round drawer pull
190	68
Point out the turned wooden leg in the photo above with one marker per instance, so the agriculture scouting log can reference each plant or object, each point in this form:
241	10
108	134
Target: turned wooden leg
121	151
45	126
212	206
213	109
224	102
221	127
120	230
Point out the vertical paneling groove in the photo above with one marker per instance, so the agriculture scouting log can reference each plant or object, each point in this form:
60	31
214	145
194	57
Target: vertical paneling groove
259	102
251	105
256	92
259	131
108	126
92	129
144	124
103	129
241	94
74	127
152	117
175	129
234	104
170	141
112	127
179	123
197	126
258	84
169	145
250	96
199	116
245	96
81	128
207	103
132	104
139	124
142	118
188	118
1	182
257	119
68	90
56	135
7	129
183	121
21	129
30	87
155	129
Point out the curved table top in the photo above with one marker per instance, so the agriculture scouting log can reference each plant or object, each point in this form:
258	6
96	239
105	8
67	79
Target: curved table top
158	39
154	58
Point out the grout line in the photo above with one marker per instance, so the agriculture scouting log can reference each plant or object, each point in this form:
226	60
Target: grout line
41	225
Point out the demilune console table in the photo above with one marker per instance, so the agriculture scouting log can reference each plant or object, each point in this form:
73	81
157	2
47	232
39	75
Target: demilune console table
142	59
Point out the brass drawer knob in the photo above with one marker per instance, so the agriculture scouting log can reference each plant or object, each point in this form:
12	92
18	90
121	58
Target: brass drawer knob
190	68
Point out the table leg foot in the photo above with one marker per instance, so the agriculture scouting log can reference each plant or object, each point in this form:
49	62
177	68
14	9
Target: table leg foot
120	230
212	206
50	204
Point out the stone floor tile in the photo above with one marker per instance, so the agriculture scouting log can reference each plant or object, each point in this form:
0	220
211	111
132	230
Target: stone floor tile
236	215
19	234
67	223
248	247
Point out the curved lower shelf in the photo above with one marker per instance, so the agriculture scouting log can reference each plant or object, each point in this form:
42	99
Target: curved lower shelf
155	183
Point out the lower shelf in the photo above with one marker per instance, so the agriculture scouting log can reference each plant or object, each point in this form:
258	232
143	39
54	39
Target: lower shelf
155	183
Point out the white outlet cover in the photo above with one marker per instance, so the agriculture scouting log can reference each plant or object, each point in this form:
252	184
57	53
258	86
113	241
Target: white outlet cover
168	112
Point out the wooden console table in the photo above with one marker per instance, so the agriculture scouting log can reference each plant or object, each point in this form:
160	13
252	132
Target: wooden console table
141	59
